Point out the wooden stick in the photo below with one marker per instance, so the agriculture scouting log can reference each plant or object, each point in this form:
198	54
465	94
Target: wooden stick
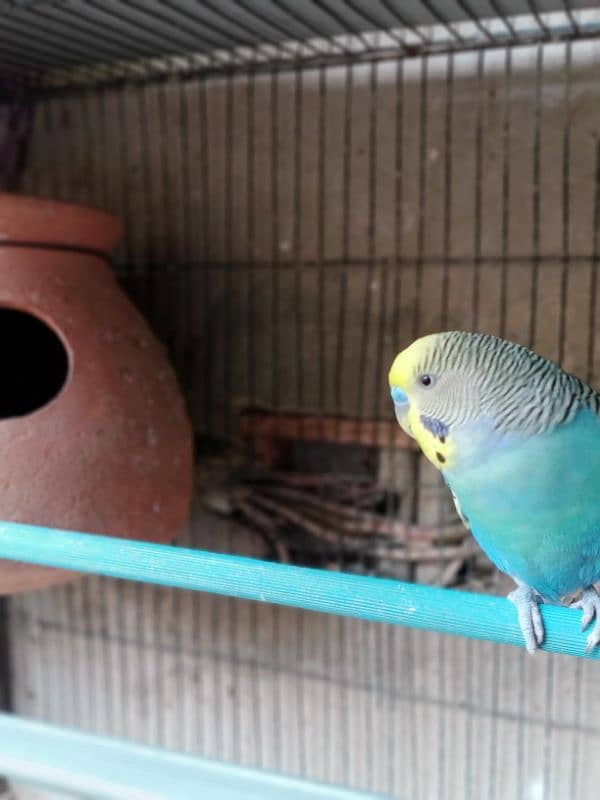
356	522
312	428
425	555
268	528
309	525
450	572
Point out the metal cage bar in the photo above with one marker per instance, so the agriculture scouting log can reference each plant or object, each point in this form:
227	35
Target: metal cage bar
101	41
115	769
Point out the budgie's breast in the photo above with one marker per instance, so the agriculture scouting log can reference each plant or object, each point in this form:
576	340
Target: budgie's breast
533	503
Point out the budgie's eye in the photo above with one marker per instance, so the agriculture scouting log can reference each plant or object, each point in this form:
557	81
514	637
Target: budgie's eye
426	380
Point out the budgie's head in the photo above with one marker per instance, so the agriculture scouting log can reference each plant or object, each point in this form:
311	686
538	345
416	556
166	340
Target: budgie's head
447	382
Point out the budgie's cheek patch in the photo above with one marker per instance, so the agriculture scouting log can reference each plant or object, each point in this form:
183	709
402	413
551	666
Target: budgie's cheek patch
433	437
435	426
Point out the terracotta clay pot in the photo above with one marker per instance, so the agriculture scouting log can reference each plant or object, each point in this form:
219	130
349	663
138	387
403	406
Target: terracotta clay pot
93	431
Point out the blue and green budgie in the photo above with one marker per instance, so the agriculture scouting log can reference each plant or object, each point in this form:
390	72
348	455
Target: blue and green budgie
517	440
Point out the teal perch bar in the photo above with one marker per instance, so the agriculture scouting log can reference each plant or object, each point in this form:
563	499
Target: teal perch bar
113	769
381	600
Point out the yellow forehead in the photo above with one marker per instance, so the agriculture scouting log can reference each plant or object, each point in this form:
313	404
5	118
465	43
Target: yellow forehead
406	362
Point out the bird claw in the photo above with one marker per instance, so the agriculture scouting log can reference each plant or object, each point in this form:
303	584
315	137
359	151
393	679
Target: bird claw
530	617
589	603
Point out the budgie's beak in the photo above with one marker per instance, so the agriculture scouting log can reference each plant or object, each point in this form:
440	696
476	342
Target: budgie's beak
397	379
401	407
399	396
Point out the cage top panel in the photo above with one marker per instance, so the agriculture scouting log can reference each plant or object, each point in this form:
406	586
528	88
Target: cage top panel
72	41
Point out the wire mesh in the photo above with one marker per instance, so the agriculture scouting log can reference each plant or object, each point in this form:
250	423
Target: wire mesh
294	216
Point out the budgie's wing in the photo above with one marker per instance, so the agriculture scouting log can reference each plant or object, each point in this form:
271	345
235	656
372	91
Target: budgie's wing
534	507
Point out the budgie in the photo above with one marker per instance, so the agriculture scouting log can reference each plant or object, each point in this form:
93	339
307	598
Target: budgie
517	440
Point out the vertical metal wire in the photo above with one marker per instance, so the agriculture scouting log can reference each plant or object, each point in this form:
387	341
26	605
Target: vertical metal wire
124	593
392	754
97	188
35	609
275	267
146	253
591	349
505	235
468	770
385	274
477	243
321	228
533	303
250	365
411	636
382	285
210	317
371	212
164	184
9	657
84	587
447	221
422	192
159	596
578	677
251	235
342	625
297	232
89	118
366	327
536	192
506	186
102	147
181	336
469	645
227	320
207	251
186	298
566	212
123	157
565	236
298	256
345	243
275	392
446	254
322	217
55	115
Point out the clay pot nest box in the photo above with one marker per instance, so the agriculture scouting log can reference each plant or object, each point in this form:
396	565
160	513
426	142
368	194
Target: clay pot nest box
94	434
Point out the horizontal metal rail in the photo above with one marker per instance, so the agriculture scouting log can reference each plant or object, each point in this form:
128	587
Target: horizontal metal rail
113	769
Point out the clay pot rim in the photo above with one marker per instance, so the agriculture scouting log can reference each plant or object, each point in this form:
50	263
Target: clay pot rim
31	220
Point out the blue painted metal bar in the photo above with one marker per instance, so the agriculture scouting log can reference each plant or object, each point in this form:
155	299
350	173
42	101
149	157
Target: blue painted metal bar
378	599
113	769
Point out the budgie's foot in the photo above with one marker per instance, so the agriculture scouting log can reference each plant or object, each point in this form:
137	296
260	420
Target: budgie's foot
589	603
530	619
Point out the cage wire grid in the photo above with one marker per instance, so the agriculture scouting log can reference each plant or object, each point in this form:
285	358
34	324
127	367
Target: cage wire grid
292	218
